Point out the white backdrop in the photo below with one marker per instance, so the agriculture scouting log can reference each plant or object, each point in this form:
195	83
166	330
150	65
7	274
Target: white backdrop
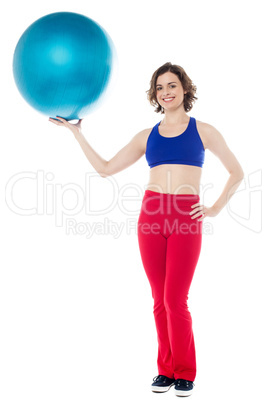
75	304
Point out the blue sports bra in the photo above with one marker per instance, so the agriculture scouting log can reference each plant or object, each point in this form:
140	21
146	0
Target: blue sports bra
184	149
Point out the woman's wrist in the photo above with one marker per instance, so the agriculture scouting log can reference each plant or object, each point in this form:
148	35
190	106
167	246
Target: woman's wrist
216	209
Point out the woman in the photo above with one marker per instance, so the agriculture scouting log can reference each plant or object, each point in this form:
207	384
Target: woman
170	220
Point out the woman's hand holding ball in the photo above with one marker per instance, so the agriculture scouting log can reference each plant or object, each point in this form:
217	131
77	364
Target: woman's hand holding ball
75	128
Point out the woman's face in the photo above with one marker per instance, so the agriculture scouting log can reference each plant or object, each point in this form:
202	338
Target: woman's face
169	91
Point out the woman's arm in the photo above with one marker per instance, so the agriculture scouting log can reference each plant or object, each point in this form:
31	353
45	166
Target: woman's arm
123	159
217	145
215	142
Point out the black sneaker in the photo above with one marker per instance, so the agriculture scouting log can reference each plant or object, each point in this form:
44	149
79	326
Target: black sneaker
183	387
161	383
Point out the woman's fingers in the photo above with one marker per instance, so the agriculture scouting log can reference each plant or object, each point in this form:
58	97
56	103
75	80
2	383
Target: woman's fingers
198	214
198	211
55	121
65	122
197	207
59	121
75	128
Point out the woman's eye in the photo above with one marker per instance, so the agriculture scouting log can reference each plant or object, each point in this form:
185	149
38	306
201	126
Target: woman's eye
159	88
172	86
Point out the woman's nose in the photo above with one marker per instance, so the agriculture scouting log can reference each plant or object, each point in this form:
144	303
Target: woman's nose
166	91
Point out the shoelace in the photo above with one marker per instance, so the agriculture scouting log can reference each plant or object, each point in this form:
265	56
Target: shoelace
183	382
160	378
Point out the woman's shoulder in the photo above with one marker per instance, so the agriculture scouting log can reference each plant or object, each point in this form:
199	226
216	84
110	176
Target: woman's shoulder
204	127
144	134
140	139
209	134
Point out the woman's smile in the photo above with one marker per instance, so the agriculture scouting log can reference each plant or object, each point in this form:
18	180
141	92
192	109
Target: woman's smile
169	99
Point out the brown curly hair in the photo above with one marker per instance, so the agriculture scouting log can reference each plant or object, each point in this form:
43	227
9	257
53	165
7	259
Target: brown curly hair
186	82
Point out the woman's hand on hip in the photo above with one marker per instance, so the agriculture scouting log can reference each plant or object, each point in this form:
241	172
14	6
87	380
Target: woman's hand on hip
201	211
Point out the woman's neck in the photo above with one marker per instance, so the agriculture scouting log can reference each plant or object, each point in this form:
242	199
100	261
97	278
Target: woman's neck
174	118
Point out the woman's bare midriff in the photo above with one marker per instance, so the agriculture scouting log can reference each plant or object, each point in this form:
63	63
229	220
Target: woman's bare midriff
175	179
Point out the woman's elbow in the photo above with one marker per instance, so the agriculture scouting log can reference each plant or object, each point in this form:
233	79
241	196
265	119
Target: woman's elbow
104	172
104	175
238	173
242	174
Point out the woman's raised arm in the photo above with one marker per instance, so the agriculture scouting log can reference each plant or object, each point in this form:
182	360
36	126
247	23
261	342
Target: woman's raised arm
128	155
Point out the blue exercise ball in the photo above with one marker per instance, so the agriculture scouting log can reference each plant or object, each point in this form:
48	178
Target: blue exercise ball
62	64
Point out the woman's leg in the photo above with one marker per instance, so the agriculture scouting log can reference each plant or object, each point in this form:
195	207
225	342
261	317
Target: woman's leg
183	250
153	246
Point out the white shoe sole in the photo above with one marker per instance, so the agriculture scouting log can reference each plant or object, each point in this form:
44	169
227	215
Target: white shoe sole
161	389
183	393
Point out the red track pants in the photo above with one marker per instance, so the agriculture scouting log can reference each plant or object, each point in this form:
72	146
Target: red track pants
170	244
